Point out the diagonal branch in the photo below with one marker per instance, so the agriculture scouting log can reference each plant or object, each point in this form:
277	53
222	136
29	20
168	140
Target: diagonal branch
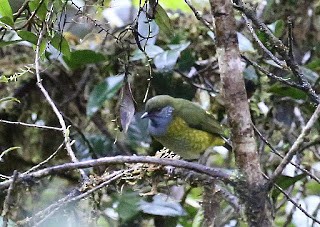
296	146
64	128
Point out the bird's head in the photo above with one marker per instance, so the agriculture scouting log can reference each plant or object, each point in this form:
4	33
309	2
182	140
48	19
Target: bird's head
159	110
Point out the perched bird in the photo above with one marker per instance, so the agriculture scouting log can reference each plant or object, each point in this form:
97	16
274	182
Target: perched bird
182	126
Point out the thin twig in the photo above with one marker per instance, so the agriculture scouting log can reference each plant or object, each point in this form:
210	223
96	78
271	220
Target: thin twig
30	125
199	17
7	202
295	147
64	128
258	41
45	161
271	75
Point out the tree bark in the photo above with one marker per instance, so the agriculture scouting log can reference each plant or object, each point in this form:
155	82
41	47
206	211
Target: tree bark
251	187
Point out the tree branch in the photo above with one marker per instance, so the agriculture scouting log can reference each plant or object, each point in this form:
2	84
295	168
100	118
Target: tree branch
220	174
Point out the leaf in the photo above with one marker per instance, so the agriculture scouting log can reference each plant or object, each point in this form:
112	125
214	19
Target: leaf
162	205
164	22
128	205
41	9
102	92
279	28
80	58
127	108
28	36
168	59
285	182
284	91
6	13
61	44
6	43
151	51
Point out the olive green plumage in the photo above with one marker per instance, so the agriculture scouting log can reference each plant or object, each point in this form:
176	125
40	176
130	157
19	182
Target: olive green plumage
182	126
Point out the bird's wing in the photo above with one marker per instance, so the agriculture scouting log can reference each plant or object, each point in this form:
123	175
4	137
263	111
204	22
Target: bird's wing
198	118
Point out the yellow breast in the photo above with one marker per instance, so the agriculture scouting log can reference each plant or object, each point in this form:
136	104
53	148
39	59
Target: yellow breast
187	142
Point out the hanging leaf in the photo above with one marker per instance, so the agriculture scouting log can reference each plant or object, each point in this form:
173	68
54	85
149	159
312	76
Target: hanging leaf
127	108
163	21
102	92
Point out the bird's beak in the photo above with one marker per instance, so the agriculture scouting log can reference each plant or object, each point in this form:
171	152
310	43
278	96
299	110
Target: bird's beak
144	115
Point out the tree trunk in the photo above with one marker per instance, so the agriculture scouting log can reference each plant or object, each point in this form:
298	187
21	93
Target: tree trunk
251	187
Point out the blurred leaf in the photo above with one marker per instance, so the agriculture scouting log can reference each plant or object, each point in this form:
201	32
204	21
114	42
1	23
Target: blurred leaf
9	99
250	74
162	205
61	44
163	21
285	182
151	51
6	13
127	108
128	205
279	28
245	44
311	76
6	43
10	223
169	4
102	92
40	7
80	58
284	91
273	63
168	59
28	36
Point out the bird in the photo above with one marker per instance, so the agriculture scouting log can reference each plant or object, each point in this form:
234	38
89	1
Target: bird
182	126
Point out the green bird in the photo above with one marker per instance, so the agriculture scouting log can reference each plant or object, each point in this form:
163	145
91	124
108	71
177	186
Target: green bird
182	126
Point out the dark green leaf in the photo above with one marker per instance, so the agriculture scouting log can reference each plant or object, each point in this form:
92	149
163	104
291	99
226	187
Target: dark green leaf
163	21
285	182
40	7
279	28
102	92
284	91
6	13
6	43
80	58
162	205
61	44
28	36
128	205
